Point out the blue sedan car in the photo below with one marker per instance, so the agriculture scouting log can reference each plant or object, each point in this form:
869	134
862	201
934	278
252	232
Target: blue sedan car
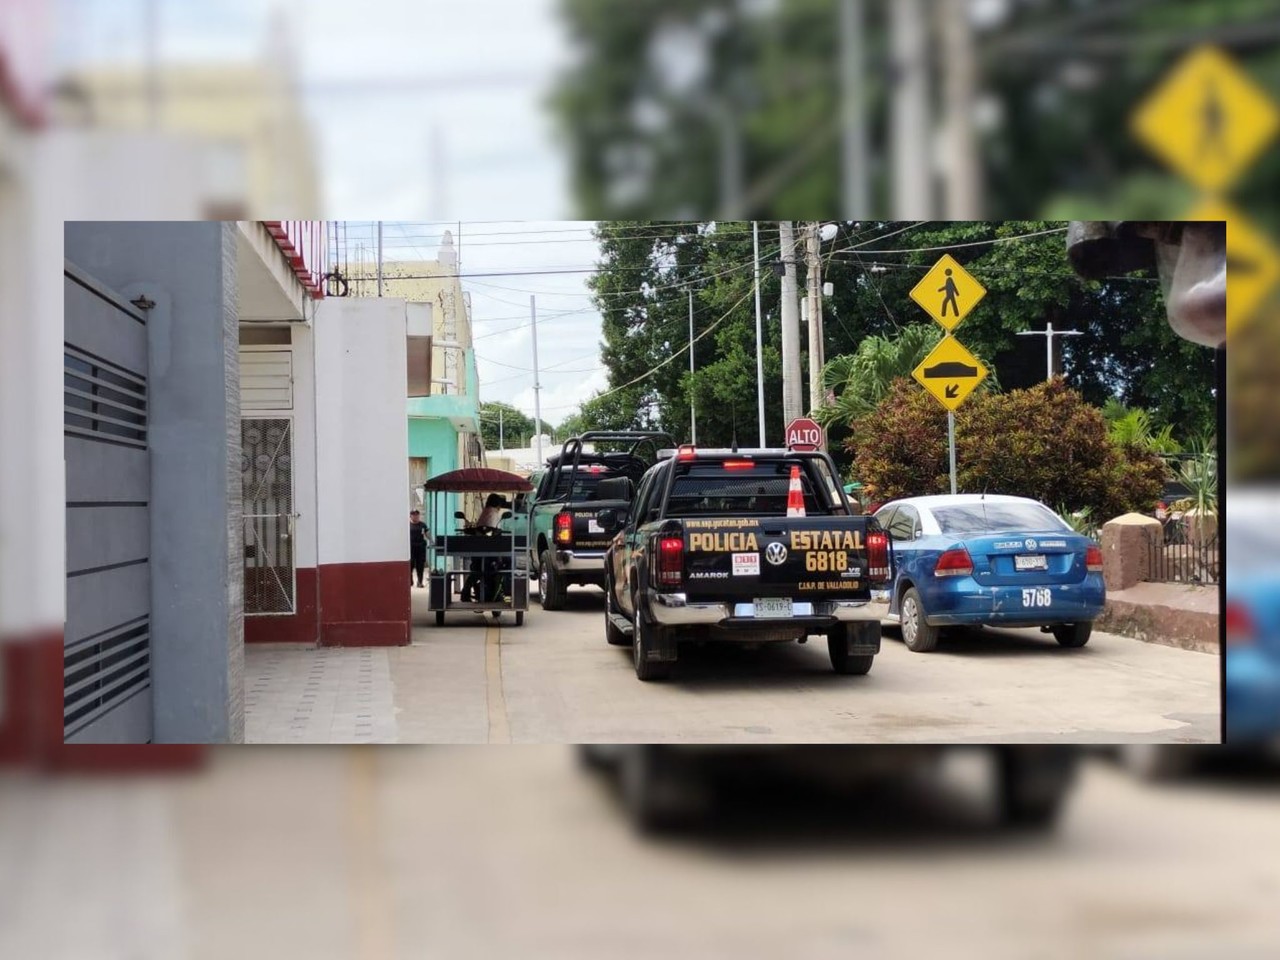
976	560
1252	624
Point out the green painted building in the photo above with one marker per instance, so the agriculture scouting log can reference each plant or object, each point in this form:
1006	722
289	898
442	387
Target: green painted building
444	431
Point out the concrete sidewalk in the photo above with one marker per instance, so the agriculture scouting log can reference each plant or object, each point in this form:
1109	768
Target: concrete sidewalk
1174	614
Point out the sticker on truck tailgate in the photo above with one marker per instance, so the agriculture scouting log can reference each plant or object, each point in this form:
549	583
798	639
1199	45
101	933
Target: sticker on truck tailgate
746	564
841	585
719	524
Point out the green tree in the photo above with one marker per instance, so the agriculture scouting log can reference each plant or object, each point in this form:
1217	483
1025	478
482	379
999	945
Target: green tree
1045	443
502	418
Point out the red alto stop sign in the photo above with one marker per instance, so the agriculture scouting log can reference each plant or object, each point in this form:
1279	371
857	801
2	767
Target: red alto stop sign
803	434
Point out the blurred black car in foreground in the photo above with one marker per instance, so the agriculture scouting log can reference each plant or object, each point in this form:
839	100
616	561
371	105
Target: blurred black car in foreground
664	787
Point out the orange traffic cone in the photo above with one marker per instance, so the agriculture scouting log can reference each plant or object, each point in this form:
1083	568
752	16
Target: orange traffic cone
795	494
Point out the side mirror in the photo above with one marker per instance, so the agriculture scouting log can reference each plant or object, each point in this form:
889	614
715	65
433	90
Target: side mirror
459	515
608	520
506	514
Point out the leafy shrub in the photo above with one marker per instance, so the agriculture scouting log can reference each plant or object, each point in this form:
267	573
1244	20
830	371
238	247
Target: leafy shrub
1045	443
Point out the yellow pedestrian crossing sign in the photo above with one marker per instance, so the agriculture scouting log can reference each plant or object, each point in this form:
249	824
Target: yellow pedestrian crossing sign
1207	120
948	292
1253	264
950	373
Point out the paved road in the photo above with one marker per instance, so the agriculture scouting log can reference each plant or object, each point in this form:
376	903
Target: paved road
555	680
506	852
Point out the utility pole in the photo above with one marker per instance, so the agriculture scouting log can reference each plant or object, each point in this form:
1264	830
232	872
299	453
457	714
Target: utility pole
813	290
501	439
855	182
379	258
959	66
153	63
1049	333
755	249
537	387
912	197
792	384
693	419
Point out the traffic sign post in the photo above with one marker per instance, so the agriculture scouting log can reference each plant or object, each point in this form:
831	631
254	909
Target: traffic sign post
948	292
802	433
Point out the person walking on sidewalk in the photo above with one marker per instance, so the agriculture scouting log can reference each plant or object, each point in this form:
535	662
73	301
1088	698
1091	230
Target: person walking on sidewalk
417	547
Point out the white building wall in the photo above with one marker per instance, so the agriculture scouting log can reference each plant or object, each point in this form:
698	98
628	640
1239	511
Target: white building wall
362	447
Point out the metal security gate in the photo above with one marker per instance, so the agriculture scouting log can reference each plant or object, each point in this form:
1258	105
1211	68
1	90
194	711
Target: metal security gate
107	645
266	468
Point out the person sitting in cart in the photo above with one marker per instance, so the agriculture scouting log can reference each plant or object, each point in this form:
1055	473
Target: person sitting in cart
485	572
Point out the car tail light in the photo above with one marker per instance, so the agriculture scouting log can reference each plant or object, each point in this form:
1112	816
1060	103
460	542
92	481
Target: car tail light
564	530
1093	559
670	565
738	464
1240	628
877	556
954	563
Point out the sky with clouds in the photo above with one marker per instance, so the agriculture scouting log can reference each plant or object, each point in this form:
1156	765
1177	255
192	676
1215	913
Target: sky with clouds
415	105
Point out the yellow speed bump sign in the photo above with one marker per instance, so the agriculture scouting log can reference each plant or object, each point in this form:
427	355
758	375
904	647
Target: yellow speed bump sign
1207	120
950	373
948	292
1253	264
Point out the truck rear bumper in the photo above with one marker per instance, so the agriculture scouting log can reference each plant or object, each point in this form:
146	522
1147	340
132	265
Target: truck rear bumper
581	562
675	610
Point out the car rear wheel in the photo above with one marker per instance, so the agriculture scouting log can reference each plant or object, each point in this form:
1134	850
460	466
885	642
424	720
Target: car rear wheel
916	633
1072	634
643	639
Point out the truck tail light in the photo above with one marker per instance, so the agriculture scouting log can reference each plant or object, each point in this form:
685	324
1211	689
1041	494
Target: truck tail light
1093	559
738	464
670	565
954	563
564	530
877	556
687	451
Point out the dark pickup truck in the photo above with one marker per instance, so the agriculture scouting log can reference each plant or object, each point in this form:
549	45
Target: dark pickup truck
566	543
707	551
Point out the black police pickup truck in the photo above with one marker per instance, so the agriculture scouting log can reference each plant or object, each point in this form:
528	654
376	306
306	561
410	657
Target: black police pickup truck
566	544
707	550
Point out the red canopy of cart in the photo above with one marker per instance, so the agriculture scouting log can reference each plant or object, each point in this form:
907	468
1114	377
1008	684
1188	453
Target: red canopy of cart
477	480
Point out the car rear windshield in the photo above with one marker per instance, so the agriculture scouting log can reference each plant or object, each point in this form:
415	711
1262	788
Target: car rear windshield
996	518
738	489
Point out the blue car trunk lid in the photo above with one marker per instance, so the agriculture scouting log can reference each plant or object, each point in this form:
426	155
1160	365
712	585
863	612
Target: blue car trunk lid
995	558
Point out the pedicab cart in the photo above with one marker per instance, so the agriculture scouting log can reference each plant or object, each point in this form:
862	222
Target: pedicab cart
486	567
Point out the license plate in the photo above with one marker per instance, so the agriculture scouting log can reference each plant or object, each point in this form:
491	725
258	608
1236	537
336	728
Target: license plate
769	608
1032	562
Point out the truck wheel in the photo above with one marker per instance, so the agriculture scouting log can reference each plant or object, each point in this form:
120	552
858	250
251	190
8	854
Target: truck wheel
659	794
842	661
1072	634
612	635
551	588
916	633
1033	784
643	639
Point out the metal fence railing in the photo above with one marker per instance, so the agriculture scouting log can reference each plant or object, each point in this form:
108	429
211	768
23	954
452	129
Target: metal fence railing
1187	553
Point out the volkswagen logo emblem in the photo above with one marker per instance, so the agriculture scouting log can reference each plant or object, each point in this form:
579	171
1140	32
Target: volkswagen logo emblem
775	553
1030	544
